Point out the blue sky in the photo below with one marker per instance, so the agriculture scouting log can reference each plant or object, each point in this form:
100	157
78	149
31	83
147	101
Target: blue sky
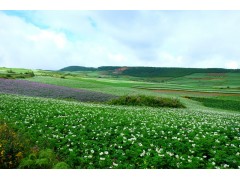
55	39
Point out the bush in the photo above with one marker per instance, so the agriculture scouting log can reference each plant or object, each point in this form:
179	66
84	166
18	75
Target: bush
10	71
11	148
61	165
147	101
44	159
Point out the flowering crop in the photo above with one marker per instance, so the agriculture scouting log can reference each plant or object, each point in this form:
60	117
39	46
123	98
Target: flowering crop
28	88
103	136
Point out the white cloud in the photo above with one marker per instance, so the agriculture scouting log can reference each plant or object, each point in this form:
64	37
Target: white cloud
54	39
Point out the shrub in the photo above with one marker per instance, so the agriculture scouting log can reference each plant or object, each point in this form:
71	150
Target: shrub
147	101
44	159
61	165
11	147
10	71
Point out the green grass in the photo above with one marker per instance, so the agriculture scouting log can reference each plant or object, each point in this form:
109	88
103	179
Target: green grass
226	81
102	136
15	73
110	86
219	103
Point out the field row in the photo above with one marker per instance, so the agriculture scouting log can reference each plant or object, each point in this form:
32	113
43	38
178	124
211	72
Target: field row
29	88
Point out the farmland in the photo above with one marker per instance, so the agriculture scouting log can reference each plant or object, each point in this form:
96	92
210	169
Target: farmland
100	136
64	114
45	90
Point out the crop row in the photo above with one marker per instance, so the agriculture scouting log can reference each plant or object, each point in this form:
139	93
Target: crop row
28	88
100	136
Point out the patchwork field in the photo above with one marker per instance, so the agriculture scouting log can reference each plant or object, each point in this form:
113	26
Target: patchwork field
61	120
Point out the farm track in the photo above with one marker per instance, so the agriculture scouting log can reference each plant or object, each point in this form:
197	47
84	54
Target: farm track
28	88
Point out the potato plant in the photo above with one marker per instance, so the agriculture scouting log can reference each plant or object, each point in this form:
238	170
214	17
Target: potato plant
103	136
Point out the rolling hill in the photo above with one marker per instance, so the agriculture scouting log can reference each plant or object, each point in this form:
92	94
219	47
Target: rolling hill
150	71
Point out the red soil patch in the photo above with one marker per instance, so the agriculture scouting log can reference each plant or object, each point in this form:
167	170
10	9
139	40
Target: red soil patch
120	70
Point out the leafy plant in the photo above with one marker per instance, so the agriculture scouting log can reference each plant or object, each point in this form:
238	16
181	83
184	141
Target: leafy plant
147	101
61	165
44	159
12	147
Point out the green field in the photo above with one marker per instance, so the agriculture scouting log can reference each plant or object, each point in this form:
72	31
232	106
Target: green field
100	136
203	135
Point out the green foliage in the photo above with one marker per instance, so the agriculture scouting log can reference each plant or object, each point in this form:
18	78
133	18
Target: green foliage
151	71
219	103
10	71
170	72
10	74
151	101
102	136
61	165
78	68
12	147
44	159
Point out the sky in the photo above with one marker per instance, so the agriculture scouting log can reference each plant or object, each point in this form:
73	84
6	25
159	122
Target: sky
165	38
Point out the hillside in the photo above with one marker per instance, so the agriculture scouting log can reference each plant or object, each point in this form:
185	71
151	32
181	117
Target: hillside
150	71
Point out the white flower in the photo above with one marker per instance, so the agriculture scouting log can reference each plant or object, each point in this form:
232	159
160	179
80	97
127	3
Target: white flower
140	144
115	164
225	165
92	151
213	163
143	153
70	150
106	152
101	153
102	159
90	156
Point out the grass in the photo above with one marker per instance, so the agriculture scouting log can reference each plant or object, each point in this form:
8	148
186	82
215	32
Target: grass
110	86
219	103
15	73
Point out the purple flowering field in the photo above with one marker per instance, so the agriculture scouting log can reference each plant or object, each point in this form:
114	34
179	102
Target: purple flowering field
23	87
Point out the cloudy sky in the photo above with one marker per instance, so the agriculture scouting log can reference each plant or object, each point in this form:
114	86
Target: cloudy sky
55	39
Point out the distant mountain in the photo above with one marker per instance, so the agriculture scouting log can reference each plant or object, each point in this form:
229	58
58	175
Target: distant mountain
78	68
151	71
